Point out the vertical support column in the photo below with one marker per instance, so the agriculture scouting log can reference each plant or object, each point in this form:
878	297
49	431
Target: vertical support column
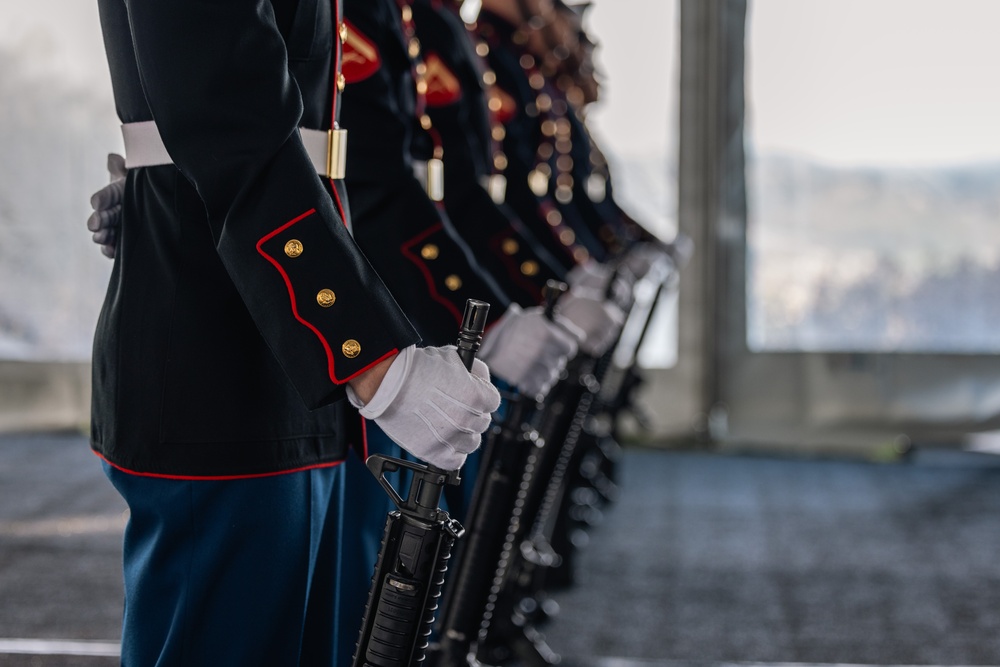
712	201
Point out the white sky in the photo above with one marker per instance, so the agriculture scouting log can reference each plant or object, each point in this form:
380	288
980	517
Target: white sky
57	36
875	81
845	81
638	55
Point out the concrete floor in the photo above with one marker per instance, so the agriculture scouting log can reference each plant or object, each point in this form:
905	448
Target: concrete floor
705	561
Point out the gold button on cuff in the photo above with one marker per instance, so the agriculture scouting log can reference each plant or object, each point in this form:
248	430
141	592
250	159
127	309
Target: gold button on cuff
453	282
326	298
500	161
554	218
351	348
407	13
489	77
293	248
482	49
421	87
509	246
567	237
413	48
499	132
495	103
529	268
429	251
580	255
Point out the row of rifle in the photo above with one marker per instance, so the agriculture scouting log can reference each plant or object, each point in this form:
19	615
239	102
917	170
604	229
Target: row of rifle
547	470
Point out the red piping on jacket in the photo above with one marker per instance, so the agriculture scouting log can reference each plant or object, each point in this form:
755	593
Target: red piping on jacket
405	248
217	478
295	310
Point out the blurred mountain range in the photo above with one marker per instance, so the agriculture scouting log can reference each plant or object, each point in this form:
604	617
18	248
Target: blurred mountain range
880	259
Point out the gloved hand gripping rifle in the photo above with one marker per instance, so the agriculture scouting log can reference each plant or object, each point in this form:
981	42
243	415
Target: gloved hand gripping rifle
528	552
416	546
506	474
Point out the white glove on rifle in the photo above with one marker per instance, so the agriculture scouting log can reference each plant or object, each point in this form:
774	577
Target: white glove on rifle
431	406
528	350
640	258
592	276
599	319
106	219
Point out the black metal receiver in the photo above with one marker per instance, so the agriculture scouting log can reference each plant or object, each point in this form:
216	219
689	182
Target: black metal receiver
416	546
505	473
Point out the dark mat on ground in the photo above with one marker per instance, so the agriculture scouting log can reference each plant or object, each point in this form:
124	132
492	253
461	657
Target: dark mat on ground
705	559
755	559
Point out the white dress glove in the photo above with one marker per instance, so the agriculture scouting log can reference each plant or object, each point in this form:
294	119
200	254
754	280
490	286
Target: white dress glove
528	350
106	219
431	406
594	277
599	319
590	275
640	258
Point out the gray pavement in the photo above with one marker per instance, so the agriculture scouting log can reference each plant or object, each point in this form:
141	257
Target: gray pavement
60	547
705	561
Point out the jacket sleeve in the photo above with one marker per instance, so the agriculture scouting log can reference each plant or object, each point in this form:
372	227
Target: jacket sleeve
408	237
216	78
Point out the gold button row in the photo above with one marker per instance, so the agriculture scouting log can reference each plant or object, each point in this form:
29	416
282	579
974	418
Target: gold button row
325	298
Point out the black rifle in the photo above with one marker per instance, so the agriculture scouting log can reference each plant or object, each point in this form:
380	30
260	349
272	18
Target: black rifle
512	604
515	603
505	475
416	546
592	479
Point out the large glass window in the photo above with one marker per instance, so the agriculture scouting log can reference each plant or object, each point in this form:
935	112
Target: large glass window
873	176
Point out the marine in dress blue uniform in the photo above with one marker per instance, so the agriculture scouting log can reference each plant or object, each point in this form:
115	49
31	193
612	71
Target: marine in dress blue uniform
238	308
406	234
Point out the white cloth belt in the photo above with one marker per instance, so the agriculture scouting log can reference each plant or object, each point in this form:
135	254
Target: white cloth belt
144	148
